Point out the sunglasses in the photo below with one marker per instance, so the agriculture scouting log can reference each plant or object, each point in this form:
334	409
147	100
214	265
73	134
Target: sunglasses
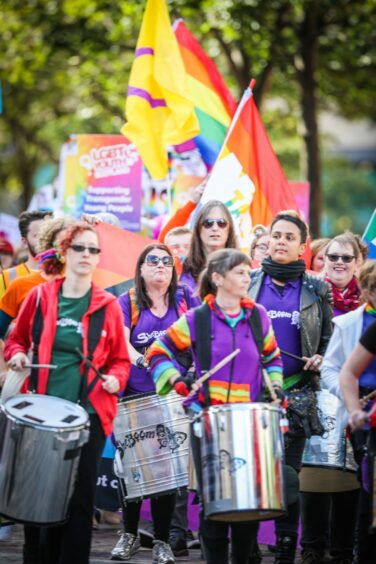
153	260
208	223
262	247
82	248
345	258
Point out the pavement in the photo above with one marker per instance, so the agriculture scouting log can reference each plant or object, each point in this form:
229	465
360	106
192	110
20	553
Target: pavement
104	539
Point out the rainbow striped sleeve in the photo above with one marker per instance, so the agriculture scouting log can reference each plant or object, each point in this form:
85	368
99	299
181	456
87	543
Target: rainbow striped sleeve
271	356
161	353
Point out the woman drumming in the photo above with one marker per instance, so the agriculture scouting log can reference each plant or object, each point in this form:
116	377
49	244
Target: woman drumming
360	368
329	497
67	305
149	308
299	306
213	230
223	287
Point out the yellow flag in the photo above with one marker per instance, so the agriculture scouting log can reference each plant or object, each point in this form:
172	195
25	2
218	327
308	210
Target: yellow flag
158	109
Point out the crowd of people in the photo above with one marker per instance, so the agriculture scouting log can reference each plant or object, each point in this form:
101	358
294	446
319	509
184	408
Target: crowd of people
302	314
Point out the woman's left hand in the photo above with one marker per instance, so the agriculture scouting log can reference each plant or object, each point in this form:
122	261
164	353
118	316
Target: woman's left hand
313	363
111	385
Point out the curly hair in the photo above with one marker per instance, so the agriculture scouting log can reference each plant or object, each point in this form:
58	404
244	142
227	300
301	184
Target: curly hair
367	276
48	237
26	218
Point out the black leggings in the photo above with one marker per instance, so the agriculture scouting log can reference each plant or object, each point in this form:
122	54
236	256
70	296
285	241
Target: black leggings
162	509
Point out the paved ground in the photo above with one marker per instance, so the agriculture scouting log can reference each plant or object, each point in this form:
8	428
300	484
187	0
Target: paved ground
104	540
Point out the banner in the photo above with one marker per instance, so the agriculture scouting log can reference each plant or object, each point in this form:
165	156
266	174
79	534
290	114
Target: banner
101	173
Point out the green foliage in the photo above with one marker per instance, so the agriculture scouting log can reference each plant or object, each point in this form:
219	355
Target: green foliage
65	67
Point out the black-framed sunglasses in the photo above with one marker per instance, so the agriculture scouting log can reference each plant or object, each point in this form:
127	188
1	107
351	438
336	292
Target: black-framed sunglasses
154	260
208	223
345	258
82	248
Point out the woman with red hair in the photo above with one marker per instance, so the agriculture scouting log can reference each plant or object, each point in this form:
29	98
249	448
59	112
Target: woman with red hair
67	305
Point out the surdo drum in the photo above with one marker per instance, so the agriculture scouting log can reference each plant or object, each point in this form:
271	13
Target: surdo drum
41	438
152	436
242	453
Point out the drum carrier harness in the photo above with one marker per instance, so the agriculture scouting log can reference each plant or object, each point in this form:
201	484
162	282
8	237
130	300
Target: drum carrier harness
202	320
96	322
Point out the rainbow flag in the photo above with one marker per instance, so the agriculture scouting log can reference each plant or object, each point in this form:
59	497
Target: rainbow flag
247	175
369	236
120	251
158	108
213	102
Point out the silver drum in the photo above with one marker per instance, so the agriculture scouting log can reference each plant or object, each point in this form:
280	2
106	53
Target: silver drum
152	434
242	455
328	461
40	444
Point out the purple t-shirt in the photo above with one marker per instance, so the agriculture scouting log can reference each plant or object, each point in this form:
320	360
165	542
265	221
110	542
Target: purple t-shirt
148	328
187	279
284	312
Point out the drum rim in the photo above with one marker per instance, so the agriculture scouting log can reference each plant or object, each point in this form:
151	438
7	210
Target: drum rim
35	425
241	406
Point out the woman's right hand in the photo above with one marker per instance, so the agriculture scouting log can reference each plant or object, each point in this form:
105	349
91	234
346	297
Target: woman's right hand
18	361
357	419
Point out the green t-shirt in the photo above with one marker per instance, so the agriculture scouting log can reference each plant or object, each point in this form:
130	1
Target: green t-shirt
65	380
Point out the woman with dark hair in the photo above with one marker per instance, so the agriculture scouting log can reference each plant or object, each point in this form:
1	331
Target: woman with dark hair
149	309
223	287
299	306
213	230
67	306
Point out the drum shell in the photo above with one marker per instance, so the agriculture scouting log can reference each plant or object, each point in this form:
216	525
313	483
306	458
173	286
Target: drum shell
328	461
38	467
152	434
242	456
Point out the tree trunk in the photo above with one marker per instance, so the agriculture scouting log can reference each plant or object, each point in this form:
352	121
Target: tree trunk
306	70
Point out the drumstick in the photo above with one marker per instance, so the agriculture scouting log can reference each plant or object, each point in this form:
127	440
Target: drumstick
89	363
292	355
269	385
369	396
215	368
49	366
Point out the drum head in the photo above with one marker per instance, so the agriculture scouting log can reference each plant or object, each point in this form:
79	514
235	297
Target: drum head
45	411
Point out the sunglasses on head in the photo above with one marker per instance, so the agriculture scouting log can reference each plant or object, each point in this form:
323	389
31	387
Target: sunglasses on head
208	223
154	260
82	248
345	258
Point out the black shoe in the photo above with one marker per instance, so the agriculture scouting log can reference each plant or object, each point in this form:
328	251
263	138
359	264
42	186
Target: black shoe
192	541
285	549
311	556
178	545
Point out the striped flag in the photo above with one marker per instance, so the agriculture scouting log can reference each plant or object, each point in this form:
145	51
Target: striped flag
213	102
247	175
369	236
158	107
117	264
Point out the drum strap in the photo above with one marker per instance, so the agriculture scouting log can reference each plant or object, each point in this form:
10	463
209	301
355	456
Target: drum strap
36	332
94	334
204	338
203	343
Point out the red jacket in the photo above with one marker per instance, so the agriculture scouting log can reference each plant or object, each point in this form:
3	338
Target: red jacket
110	356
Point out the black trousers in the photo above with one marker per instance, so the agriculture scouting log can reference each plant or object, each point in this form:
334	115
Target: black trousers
162	509
214	534
287	525
329	519
70	543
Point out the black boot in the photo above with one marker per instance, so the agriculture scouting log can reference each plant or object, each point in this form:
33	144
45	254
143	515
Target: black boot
285	549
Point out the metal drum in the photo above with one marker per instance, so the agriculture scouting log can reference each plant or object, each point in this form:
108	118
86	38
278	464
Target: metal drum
241	461
330	453
40	444
152	434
